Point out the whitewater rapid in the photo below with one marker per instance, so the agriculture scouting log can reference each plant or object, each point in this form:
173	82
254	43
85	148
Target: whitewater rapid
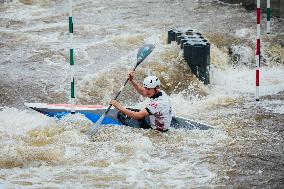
244	148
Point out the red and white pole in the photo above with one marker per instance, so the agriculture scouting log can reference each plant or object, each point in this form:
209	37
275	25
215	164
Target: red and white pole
257	54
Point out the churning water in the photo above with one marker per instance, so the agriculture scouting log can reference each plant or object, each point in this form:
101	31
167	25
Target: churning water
245	149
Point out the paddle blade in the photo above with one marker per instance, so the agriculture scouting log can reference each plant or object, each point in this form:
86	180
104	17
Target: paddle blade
95	127
144	51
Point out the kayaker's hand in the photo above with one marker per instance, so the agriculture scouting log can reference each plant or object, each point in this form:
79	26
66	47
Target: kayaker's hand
115	104
131	75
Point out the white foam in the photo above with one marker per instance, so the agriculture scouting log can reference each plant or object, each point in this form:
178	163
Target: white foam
242	81
227	86
18	122
57	154
244	55
153	39
275	106
244	32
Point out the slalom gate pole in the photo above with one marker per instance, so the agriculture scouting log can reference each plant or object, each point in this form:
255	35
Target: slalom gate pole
257	54
72	89
268	17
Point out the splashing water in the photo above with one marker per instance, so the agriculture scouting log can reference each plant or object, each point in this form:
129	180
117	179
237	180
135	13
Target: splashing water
245	148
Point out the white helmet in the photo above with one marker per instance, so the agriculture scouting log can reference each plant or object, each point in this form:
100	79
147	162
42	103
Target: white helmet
151	82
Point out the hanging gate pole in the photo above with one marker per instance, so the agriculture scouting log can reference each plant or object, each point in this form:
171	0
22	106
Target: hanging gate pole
268	17
257	54
72	92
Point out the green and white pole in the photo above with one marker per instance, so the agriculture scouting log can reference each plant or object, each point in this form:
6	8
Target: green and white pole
268	17
72	89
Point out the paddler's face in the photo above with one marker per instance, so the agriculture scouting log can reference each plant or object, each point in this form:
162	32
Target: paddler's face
149	92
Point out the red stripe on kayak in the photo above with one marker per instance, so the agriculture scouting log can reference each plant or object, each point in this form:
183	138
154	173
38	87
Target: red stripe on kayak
83	106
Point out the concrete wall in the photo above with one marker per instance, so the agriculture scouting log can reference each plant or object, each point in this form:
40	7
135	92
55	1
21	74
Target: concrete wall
277	6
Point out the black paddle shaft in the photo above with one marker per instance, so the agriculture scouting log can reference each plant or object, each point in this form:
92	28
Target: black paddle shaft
139	60
122	88
142	54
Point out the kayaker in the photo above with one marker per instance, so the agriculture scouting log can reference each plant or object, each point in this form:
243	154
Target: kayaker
159	109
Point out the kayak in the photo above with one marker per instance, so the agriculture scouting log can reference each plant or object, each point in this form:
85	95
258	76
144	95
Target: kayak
114	117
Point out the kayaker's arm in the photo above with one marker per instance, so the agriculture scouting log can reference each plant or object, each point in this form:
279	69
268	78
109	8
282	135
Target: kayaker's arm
138	88
134	115
136	85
